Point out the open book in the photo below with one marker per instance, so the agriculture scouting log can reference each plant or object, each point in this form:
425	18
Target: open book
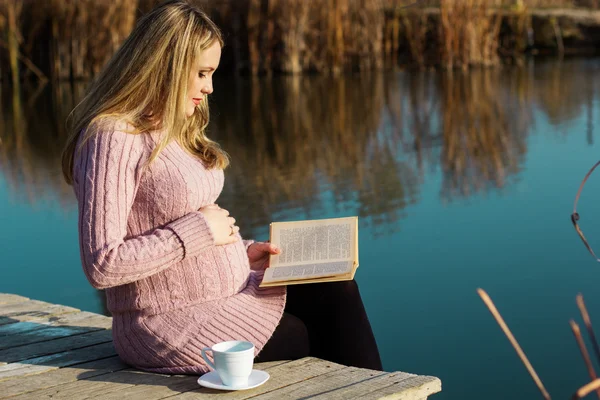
321	250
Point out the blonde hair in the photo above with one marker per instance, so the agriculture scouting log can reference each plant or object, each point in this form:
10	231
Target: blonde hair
145	85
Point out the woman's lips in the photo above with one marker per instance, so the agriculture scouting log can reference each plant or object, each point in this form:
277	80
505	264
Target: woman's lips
196	101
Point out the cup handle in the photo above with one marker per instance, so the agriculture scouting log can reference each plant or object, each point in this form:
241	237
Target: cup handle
210	363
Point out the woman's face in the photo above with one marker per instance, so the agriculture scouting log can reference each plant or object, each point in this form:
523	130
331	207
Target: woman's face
200	80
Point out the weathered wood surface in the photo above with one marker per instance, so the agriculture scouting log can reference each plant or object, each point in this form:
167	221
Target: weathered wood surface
52	351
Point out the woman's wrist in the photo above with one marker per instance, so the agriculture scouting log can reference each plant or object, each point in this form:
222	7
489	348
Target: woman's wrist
248	243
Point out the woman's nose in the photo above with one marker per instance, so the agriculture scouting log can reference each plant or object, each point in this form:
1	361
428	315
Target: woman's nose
208	88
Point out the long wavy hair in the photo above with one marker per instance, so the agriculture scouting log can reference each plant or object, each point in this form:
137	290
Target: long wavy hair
145	86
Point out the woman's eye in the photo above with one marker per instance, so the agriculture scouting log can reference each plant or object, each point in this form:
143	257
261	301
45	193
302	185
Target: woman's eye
201	75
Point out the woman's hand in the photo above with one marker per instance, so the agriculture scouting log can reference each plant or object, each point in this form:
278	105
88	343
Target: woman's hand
258	254
221	224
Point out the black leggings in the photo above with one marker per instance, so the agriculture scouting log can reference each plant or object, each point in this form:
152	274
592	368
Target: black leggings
327	321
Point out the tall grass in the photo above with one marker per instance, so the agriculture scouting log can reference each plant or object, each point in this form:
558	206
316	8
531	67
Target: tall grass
86	33
468	33
74	39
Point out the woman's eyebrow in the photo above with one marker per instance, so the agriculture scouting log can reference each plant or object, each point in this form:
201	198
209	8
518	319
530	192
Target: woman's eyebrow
207	68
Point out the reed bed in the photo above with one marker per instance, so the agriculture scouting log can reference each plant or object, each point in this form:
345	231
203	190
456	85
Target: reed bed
86	33
468	33
64	39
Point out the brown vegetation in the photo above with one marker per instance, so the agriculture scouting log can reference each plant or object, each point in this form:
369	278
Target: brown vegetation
74	39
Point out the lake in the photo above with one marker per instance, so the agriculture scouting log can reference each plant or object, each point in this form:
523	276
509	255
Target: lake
460	181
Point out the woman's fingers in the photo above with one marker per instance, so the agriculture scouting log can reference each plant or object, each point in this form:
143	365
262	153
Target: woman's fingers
268	248
231	239
221	224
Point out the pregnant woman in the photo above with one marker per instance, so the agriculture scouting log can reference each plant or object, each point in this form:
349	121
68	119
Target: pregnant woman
176	272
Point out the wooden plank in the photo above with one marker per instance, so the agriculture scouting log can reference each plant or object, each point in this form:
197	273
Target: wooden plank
54	361
416	388
54	346
361	389
6	298
98	386
25	384
281	376
37	315
323	384
42	335
163	388
63	326
72	317
26	305
18	328
80	389
152	387
84	319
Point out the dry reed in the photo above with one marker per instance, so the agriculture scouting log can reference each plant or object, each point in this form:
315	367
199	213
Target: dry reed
584	353
86	33
593	385
586	389
588	324
266	36
490	305
468	34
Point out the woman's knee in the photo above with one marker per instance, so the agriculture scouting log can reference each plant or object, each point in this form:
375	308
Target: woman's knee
290	341
342	289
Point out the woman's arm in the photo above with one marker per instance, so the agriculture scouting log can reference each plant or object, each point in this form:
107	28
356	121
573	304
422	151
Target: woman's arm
106	176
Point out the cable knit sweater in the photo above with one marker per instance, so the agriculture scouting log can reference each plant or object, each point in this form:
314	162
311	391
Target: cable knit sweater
170	289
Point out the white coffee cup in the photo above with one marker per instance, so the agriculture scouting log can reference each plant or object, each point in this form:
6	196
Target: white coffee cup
233	361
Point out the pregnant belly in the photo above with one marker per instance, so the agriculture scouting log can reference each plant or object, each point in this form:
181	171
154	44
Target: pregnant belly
225	269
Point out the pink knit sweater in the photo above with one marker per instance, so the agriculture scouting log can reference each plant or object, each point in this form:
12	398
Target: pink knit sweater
170	289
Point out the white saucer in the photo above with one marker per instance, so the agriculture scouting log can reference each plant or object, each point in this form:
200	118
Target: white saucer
213	381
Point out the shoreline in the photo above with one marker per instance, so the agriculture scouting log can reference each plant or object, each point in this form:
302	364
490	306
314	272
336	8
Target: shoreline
540	31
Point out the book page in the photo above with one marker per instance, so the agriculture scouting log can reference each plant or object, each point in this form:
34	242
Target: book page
307	271
310	242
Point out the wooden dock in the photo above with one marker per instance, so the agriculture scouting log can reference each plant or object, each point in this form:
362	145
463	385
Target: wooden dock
59	352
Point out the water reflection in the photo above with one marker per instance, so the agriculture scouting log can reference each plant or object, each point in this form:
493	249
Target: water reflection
484	137
358	144
303	137
32	135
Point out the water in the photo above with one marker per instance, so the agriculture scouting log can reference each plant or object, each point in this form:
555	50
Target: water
460	182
